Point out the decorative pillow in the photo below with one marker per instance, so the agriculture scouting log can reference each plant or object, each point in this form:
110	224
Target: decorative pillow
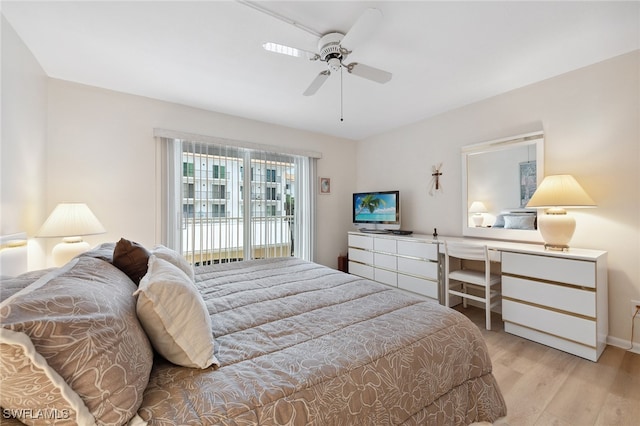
81	320
131	258
175	258
519	221
175	316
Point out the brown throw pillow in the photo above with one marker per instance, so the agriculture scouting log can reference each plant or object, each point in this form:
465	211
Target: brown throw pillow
131	258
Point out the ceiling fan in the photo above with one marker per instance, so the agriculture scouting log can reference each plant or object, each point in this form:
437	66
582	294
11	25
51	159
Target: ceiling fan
334	47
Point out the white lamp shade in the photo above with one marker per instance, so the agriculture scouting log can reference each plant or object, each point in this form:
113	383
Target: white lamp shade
70	220
477	207
560	191
554	194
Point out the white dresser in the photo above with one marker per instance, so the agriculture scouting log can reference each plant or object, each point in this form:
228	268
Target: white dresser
559	299
406	262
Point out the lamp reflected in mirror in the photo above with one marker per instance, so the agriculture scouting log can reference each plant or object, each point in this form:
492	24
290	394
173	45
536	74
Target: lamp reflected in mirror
555	194
478	209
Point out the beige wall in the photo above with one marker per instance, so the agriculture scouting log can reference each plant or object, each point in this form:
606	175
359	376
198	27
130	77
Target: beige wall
101	151
23	143
591	123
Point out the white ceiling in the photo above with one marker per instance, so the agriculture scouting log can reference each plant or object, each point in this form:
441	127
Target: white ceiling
208	54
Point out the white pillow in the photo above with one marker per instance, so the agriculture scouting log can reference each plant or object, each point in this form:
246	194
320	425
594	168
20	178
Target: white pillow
174	315
175	258
517	221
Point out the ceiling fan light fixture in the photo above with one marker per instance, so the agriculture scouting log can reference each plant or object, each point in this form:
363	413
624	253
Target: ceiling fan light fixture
279	48
288	50
334	64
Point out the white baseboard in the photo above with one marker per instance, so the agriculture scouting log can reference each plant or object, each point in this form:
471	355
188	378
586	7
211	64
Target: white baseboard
624	344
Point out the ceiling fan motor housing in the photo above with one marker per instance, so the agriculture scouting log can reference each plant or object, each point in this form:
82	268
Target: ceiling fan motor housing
330	50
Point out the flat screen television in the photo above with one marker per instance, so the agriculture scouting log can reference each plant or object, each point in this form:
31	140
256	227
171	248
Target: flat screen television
376	211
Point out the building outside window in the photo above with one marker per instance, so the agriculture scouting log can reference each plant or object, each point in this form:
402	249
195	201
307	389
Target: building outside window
214	219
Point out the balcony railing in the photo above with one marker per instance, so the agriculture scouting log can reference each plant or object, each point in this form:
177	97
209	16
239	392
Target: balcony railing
218	240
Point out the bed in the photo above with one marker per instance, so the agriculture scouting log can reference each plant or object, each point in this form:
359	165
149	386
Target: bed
284	342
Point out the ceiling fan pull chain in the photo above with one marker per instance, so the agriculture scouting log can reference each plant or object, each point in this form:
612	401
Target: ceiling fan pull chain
341	97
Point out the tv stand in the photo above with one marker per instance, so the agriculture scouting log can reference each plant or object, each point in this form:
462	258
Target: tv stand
399	232
374	231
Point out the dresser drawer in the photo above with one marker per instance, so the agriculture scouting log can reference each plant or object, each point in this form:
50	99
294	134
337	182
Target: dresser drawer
554	323
384	245
582	302
418	249
418	285
382	260
364	271
422	268
358	255
361	241
385	277
570	271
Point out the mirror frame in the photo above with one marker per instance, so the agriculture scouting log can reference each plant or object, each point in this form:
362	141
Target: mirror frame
534	138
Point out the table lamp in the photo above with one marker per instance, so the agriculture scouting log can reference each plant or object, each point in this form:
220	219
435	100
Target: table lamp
556	193
70	221
477	208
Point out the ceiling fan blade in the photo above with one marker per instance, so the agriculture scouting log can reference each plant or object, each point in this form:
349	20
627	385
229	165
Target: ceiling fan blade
370	73
316	83
364	26
291	51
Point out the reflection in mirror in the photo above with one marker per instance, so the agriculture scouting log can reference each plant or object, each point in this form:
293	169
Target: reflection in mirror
498	179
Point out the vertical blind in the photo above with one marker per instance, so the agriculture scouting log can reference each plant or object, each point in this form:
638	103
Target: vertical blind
225	202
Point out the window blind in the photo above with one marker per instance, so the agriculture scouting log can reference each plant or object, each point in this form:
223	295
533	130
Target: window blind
227	203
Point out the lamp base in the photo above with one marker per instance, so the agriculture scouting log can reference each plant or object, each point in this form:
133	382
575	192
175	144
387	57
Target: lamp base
557	228
477	218
69	248
552	247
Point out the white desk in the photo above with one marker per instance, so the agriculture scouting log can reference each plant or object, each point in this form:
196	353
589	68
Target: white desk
559	299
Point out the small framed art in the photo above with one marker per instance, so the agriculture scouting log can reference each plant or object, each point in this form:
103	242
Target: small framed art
325	186
528	182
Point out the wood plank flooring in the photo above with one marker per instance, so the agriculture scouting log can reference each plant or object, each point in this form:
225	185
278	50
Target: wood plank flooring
544	386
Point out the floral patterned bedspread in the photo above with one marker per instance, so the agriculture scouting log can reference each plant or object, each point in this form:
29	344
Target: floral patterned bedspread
303	344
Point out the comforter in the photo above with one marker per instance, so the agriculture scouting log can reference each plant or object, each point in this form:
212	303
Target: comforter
302	344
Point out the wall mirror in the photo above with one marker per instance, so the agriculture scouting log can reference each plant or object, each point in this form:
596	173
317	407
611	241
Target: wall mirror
498	178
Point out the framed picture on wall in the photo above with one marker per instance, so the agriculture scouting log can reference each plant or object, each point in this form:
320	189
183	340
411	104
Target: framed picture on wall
325	186
528	182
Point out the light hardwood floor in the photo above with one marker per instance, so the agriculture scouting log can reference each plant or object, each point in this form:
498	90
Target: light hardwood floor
544	386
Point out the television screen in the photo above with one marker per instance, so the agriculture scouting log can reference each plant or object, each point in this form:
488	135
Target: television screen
377	207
